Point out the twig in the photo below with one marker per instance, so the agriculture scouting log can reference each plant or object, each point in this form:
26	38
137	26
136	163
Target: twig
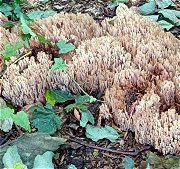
21	57
7	136
17	60
124	153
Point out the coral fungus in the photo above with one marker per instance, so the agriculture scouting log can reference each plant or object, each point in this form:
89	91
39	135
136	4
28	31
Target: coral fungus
128	58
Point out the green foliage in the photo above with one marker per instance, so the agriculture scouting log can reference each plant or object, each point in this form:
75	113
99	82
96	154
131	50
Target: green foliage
117	2
79	106
20	118
85	117
97	133
11	9
59	65
31	145
44	161
11	50
65	47
72	166
19	166
45	119
6	9
155	10
57	96
128	163
34	15
25	26
8	25
170	162
43	40
84	99
11	158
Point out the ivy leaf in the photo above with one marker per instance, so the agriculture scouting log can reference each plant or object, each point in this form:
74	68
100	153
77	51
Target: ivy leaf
165	3
57	96
20	118
45	119
19	166
11	157
128	163
148	8
59	65
72	166
44	161
8	25
169	14
65	47
117	2
165	25
25	28
153	17
43	40
85	117
34	15
30	145
97	133
11	50
85	99
79	106
6	9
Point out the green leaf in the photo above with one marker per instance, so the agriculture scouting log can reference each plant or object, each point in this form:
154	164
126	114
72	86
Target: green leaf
44	161
21	119
65	47
45	119
169	14
148	8
57	96
11	157
85	117
177	13
17	10
43	40
6	125
128	163
31	145
25	28
79	106
8	25
153	17
165	25
19	166
117	2
84	99
6	9
72	166
11	50
25	38
59	65
34	15
165	3
97	133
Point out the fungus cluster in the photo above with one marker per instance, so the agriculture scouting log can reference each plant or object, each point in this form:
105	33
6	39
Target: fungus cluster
129	58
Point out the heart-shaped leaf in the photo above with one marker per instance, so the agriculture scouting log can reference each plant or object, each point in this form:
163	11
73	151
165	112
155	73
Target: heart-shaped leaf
65	47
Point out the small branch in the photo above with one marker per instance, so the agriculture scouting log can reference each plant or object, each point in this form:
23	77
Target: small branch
17	60
21	57
124	153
